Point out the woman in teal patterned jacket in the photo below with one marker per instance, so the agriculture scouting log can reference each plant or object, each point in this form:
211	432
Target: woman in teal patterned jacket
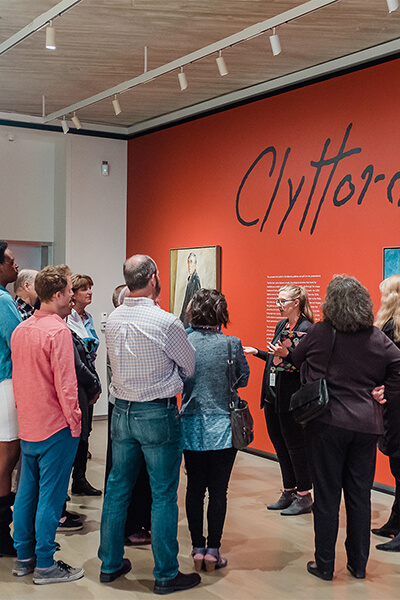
207	435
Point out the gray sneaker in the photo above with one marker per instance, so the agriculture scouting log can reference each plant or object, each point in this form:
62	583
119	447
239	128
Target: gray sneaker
24	567
58	573
301	505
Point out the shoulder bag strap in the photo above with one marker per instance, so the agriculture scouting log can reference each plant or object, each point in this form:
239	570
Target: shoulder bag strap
230	374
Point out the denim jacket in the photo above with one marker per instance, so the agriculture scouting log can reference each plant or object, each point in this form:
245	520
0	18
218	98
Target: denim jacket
205	405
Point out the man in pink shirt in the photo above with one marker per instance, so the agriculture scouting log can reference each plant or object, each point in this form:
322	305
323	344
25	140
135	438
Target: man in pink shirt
49	418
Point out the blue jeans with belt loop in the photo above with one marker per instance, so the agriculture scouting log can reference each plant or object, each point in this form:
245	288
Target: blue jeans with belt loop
149	431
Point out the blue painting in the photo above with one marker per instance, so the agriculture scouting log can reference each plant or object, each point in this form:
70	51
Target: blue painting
391	262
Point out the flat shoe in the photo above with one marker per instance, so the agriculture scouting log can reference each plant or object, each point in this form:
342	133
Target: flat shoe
109	577
178	584
383	532
392	546
357	573
313	569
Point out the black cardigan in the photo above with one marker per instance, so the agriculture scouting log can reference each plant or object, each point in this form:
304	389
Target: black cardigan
360	361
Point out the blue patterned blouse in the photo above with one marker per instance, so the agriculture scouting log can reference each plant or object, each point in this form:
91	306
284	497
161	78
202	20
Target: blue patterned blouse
205	398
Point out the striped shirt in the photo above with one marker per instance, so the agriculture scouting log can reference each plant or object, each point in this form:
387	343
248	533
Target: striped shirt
149	351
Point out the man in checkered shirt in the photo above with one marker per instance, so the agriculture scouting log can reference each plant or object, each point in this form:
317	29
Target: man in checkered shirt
25	293
149	353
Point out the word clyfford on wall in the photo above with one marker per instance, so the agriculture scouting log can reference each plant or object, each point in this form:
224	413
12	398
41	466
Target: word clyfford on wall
316	170
343	191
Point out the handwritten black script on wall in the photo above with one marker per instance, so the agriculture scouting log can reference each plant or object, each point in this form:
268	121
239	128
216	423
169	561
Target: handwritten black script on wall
343	193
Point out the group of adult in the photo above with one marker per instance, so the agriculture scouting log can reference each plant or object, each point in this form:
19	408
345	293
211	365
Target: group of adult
48	346
152	359
336	452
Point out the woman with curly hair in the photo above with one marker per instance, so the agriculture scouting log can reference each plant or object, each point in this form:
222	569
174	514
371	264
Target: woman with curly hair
342	441
206	428
280	381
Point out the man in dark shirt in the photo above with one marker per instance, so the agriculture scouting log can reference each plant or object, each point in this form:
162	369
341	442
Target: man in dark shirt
193	285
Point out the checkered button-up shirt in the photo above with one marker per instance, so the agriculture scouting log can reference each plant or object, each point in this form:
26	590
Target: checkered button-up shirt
25	309
149	351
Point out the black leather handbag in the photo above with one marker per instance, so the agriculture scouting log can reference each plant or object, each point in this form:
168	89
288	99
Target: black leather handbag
312	399
241	419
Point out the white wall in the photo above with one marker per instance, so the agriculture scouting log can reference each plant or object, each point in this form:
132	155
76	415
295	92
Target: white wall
96	225
52	190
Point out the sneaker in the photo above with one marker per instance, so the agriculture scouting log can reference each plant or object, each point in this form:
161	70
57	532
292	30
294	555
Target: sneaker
67	524
81	487
24	567
177	584
301	505
71	516
285	500
58	573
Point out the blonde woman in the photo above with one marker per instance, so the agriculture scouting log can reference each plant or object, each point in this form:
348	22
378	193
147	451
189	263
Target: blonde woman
280	381
388	320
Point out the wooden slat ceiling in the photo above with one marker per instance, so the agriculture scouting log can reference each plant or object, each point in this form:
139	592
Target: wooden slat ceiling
100	44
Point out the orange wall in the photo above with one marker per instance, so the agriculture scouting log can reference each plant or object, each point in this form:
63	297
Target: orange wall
183	184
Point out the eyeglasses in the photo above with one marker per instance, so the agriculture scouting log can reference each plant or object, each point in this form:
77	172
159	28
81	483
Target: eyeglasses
282	301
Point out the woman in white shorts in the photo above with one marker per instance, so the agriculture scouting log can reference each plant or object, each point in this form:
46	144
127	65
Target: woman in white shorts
9	442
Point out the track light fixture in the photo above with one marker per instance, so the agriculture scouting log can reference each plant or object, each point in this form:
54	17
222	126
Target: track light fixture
116	105
275	43
76	121
50	37
268	26
392	5
64	125
182	80
221	65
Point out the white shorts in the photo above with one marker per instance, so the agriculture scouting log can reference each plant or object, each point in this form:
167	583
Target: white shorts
8	412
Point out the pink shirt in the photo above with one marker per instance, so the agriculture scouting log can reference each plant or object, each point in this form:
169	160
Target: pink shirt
44	378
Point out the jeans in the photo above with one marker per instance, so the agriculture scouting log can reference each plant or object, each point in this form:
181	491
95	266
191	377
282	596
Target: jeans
45	471
139	509
210	470
148	431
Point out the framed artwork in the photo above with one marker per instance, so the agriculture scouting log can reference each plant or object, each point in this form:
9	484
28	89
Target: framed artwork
391	262
190	270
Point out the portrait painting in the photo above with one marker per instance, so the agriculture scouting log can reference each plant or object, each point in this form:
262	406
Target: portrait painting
391	262
190	270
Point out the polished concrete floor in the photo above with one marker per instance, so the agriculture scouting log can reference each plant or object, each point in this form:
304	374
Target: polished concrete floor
267	553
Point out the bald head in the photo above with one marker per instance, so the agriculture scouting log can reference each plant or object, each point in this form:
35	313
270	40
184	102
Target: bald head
24	286
138	271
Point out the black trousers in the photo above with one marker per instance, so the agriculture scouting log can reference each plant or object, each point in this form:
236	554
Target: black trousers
80	463
288	439
209	470
139	509
341	459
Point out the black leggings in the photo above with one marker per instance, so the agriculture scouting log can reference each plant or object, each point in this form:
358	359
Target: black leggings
290	446
210	470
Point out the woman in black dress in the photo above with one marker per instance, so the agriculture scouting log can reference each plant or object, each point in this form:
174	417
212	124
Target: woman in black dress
280	381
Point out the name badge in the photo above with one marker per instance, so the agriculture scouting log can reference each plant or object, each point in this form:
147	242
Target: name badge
272	379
